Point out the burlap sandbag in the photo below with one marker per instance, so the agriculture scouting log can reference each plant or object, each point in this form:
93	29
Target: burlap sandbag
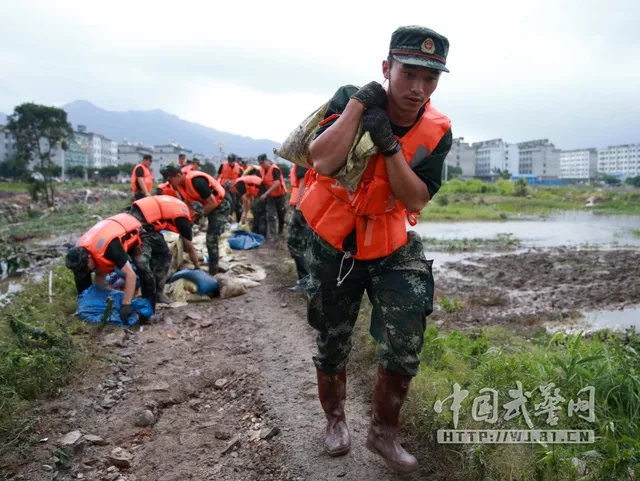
295	149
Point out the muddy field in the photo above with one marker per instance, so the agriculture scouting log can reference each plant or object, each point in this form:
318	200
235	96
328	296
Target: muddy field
226	390
527	288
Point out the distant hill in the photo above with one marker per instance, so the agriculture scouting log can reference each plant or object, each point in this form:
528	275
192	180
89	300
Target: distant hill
156	127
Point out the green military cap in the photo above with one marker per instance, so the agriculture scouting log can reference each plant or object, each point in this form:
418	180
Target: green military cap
169	170
421	46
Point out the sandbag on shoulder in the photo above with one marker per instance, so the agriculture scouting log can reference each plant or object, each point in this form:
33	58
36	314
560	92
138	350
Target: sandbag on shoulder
206	284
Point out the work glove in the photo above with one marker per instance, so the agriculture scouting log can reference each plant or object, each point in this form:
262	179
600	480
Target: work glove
125	312
371	95
377	123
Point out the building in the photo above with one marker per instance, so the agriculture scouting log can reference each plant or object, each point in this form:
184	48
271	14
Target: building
540	158
167	154
462	155
132	153
620	160
102	151
493	155
7	145
579	164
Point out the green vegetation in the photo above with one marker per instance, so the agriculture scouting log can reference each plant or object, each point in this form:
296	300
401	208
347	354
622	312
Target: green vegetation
460	200
497	359
41	347
635	232
72	218
500	242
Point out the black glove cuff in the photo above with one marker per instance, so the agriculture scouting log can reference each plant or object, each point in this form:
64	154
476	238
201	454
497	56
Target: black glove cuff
394	150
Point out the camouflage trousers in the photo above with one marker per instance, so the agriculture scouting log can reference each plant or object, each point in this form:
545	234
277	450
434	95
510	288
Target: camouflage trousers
259	211
297	235
276	211
144	271
400	288
216	221
156	253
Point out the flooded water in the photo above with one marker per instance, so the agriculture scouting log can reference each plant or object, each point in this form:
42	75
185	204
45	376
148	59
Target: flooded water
596	320
566	229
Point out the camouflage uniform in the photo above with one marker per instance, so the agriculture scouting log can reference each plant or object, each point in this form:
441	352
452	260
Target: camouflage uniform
216	221
276	211
400	287
259	211
297	235
154	259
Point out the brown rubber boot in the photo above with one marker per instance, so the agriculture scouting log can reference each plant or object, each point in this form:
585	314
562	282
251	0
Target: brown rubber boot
332	391
389	395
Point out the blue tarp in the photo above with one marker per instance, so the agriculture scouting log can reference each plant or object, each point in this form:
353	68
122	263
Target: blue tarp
207	285
243	240
93	302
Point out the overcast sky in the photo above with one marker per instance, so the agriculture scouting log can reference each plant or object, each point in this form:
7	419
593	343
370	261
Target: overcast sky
564	70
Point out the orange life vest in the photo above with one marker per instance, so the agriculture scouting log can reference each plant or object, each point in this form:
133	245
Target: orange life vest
268	182
161	211
295	186
229	173
252	184
375	213
148	179
188	168
167	189
189	194
124	227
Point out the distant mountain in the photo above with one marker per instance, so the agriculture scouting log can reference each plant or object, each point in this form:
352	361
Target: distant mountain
156	127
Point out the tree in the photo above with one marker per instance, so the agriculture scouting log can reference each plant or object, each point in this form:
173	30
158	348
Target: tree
503	174
38	130
15	168
108	172
610	179
520	188
634	181
76	171
285	168
209	168
126	168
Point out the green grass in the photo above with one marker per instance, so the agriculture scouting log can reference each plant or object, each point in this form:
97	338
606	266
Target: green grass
635	233
71	218
497	359
22	187
476	200
500	242
42	346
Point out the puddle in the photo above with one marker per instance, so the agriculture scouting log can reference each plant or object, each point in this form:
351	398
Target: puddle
599	320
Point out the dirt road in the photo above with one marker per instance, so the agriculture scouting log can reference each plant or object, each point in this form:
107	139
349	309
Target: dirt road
231	392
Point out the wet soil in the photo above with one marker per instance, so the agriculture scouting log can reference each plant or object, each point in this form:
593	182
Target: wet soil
231	387
526	288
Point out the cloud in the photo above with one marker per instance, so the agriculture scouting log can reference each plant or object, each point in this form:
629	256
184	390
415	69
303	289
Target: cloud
566	71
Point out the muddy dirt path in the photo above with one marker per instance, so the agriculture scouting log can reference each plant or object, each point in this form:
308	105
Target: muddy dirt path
222	390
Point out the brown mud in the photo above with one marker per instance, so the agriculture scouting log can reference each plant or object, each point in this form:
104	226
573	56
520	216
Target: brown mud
525	289
230	385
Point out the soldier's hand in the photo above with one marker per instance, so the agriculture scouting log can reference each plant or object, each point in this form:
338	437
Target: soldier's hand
377	122
371	95
125	311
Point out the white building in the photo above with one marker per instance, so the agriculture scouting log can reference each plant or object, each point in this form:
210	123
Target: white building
7	145
579	164
102	151
462	155
620	160
495	154
132	153
167	154
540	158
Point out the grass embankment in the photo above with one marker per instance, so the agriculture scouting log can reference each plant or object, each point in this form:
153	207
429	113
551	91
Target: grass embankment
473	199
497	359
41	347
23	187
71	218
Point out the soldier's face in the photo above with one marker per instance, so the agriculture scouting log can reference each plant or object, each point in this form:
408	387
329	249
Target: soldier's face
410	86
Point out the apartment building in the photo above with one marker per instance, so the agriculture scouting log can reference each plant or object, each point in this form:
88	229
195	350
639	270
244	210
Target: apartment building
578	164
620	160
7	145
462	155
167	154
539	158
495	154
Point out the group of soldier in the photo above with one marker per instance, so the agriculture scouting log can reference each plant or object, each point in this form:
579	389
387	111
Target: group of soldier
344	243
186	196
